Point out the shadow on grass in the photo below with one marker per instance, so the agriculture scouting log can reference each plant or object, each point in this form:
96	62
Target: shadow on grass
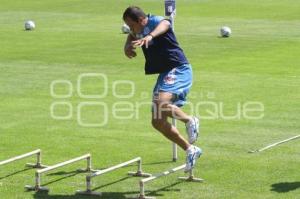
108	195
65	173
70	174
62	178
104	195
163	189
44	195
111	183
283	187
17	172
161	162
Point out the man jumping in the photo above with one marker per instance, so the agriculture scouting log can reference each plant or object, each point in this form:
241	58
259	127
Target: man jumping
164	57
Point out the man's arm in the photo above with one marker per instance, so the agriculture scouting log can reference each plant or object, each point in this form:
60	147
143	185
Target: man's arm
129	49
160	29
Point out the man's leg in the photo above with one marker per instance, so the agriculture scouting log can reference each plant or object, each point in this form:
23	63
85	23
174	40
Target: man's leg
164	108
161	111
164	105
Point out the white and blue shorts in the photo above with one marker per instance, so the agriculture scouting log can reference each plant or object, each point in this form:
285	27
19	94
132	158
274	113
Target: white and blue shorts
177	81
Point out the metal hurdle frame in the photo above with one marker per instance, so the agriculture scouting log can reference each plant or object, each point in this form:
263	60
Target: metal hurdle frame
170	11
89	177
174	145
142	183
39	172
36	152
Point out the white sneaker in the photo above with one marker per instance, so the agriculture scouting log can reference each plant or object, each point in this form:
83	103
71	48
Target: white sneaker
192	129
192	154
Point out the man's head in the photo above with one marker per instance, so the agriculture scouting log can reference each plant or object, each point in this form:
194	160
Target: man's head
135	18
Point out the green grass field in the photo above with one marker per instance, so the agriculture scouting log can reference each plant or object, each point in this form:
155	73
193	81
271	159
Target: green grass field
259	63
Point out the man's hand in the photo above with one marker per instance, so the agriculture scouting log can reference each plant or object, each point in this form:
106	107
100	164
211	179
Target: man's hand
144	41
129	51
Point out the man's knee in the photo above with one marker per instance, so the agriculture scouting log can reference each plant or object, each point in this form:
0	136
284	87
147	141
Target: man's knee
161	104
158	123
161	109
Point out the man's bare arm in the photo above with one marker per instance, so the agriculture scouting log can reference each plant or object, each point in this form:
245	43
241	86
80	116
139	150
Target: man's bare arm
129	49
161	28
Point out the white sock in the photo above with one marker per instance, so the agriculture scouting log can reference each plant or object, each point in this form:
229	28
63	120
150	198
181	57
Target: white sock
190	120
190	149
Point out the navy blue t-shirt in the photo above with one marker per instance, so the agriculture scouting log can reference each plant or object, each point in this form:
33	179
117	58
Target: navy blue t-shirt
163	52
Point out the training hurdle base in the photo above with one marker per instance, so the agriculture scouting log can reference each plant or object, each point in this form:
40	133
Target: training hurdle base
38	163
89	177
190	178
39	172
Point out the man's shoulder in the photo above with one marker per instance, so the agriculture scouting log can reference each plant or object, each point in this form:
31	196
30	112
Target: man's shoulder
155	17
154	20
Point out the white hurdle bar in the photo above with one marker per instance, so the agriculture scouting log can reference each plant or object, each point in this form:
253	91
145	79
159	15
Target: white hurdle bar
275	144
89	177
39	172
38	157
174	146
190	178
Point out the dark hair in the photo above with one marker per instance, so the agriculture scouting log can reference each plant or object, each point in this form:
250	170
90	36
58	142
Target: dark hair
134	13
